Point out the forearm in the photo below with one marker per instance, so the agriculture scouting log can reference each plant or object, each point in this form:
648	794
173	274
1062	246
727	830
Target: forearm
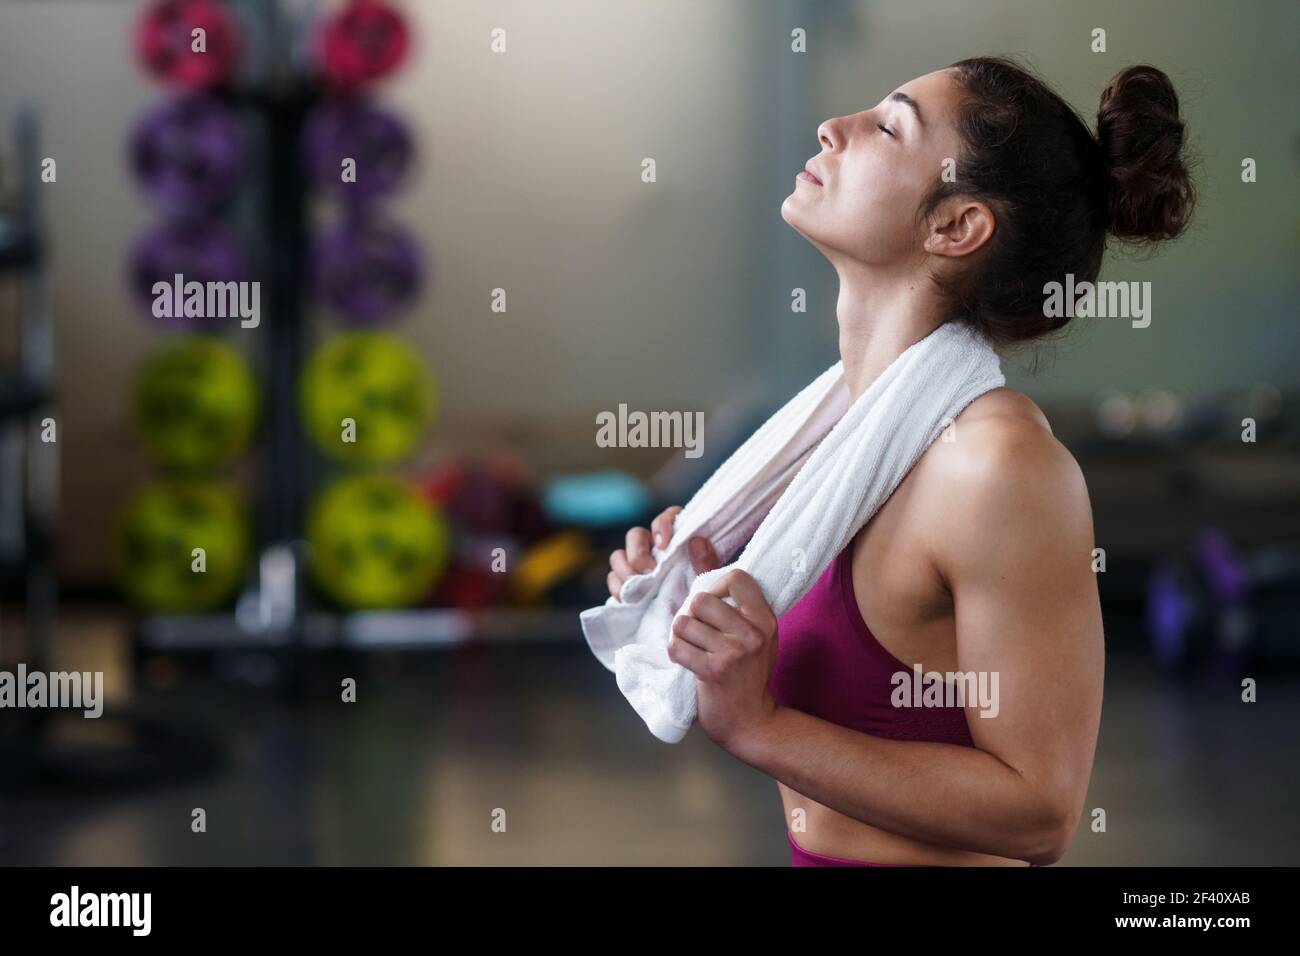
940	793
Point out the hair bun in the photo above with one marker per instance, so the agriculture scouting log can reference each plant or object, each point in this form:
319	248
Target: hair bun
1150	194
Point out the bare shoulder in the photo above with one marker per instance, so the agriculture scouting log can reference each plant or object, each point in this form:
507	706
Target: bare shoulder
1002	437
1002	471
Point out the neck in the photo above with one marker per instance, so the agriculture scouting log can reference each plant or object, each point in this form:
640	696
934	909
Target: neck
879	317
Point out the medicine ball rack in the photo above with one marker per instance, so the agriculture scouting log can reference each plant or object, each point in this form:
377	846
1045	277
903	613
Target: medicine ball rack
276	611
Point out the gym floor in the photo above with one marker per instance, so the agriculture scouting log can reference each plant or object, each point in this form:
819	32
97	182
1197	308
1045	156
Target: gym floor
413	772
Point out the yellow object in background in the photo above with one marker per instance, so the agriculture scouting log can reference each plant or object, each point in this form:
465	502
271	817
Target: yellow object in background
367	398
548	562
376	543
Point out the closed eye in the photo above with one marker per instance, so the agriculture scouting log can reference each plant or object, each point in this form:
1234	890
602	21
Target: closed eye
884	130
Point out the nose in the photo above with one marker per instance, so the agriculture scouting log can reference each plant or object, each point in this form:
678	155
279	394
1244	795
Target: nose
830	134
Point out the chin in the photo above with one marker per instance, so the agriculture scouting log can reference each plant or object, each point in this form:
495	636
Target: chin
792	219
790	211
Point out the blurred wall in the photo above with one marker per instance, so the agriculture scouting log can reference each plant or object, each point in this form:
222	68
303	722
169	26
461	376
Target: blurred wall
1225	296
672	295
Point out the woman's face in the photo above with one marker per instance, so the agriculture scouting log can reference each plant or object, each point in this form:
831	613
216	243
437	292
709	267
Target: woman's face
873	172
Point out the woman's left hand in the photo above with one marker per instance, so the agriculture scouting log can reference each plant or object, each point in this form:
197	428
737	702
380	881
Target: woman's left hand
732	651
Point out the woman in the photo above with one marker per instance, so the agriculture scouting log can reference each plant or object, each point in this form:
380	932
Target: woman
981	560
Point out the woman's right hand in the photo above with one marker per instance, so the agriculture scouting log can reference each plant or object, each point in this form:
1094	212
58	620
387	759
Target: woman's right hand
635	558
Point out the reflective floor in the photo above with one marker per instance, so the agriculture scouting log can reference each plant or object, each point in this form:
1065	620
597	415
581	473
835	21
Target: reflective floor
529	755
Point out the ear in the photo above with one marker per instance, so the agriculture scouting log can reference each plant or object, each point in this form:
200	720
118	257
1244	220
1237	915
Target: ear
959	227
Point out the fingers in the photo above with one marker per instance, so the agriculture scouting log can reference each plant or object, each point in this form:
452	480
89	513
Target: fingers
620	570
749	598
708	637
662	526
619	564
711	610
632	560
638	551
637	557
703	556
701	550
709	634
683	652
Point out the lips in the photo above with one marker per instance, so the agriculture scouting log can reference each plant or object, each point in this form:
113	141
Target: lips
811	176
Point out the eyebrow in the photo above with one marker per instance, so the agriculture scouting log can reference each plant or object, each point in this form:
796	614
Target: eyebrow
904	98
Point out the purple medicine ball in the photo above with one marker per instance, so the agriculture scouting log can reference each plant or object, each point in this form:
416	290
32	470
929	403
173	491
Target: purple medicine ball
199	250
366	270
376	141
188	155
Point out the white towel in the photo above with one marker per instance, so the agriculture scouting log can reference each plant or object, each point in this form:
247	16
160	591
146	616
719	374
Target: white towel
798	490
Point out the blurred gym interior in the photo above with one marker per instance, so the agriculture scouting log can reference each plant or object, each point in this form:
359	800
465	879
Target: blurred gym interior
505	277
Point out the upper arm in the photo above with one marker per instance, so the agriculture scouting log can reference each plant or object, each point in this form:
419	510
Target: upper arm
1016	553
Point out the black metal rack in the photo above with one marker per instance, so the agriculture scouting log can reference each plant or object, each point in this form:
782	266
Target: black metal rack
29	498
28	464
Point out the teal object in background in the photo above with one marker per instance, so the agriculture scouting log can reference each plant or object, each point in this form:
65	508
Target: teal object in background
596	499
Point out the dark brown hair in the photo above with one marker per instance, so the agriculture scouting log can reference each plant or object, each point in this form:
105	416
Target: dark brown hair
1057	190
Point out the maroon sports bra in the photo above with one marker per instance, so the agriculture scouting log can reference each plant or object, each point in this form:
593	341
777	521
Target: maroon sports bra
830	665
